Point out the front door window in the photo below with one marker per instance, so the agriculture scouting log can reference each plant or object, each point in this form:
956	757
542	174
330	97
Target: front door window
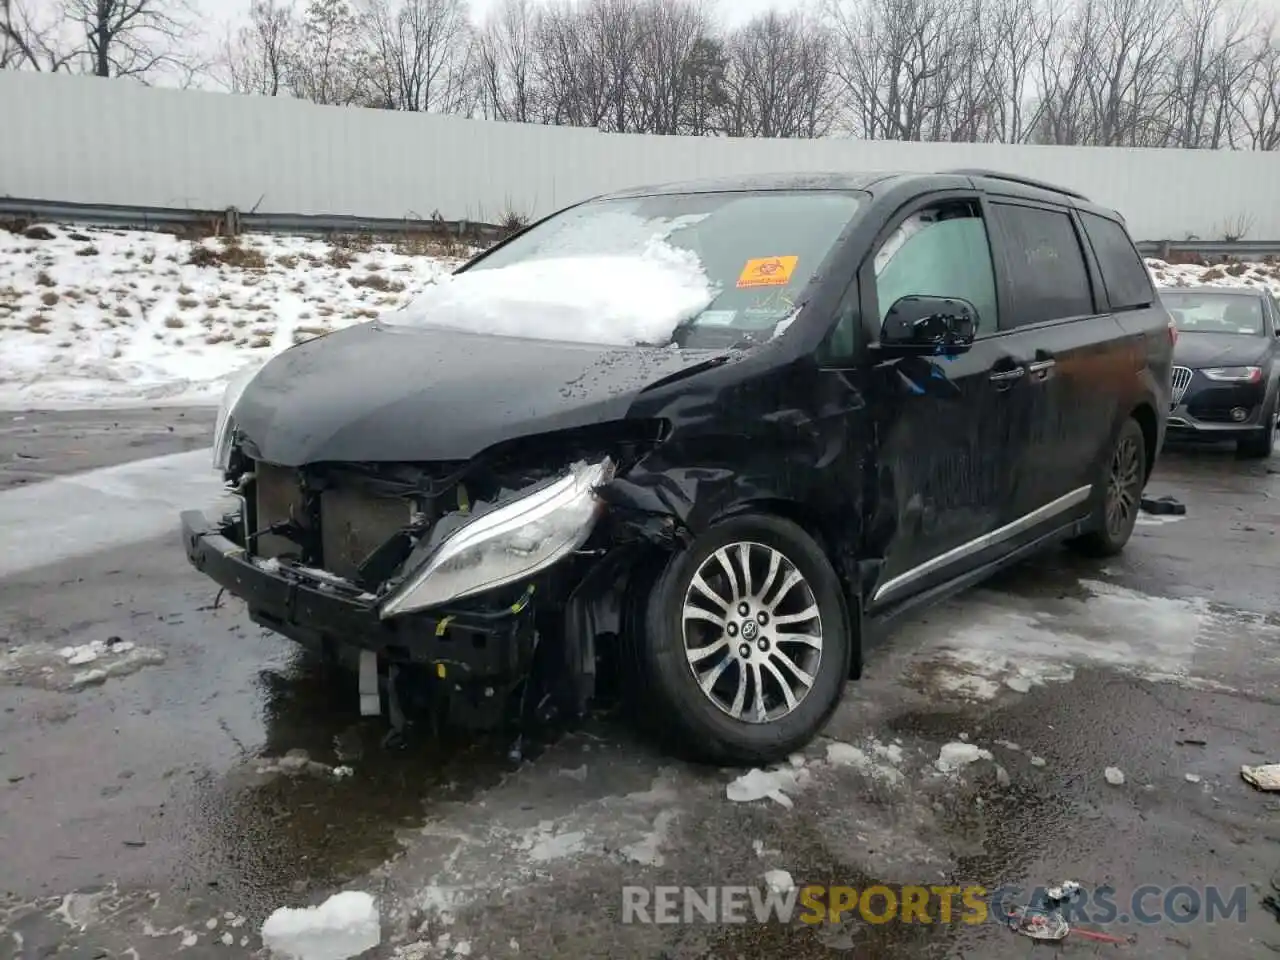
941	251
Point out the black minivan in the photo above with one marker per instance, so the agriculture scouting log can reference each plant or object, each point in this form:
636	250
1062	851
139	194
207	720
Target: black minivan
708	435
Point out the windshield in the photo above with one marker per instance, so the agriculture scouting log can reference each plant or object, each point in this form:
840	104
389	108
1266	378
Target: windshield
710	269
1216	313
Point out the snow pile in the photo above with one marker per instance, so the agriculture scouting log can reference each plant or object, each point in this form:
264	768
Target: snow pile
611	299
89	652
1221	275
345	925
92	315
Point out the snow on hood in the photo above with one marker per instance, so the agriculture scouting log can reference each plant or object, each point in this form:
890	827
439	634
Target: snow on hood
610	299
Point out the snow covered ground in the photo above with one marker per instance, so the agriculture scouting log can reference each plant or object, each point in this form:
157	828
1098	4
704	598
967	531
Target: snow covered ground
98	316
1223	275
94	316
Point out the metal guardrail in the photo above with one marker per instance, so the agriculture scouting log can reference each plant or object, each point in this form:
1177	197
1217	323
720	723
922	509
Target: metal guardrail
1212	249
233	221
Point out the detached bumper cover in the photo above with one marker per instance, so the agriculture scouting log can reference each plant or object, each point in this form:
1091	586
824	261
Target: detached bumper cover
322	618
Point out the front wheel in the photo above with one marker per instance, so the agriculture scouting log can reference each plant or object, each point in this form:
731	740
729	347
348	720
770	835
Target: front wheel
746	646
1117	495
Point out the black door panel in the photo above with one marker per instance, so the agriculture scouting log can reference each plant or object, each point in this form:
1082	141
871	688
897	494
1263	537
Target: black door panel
1081	369
1078	361
946	466
949	430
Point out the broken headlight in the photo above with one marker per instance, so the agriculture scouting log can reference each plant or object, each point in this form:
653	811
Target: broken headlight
508	544
223	428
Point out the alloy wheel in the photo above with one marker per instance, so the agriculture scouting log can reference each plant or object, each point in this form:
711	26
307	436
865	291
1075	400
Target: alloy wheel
1124	486
752	632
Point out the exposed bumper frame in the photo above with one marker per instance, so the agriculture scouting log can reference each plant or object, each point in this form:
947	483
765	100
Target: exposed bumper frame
321	618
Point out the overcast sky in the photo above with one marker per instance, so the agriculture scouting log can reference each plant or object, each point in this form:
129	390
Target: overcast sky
729	11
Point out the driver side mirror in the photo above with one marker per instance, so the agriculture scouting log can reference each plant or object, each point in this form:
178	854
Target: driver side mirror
928	326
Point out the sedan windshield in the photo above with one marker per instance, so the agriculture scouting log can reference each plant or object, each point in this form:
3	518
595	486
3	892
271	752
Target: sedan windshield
697	269
1216	313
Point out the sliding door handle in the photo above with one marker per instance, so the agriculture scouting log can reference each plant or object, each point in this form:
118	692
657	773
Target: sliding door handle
1039	370
1007	376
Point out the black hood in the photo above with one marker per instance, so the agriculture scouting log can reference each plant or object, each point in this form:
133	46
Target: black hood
1198	350
376	393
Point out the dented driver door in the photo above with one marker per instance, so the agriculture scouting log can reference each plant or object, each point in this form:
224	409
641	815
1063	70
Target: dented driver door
949	430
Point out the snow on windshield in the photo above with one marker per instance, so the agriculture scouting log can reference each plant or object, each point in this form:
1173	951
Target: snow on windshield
620	286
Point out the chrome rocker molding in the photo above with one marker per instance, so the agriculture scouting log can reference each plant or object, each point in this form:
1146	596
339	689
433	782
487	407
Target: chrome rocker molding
1022	524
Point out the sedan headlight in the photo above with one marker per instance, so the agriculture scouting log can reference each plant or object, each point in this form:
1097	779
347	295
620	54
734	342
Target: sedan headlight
223	427
508	544
1234	374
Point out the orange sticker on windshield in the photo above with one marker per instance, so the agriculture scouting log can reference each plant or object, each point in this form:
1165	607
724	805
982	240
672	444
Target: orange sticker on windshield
768	272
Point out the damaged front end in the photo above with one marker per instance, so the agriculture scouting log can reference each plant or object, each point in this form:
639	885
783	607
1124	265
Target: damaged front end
485	578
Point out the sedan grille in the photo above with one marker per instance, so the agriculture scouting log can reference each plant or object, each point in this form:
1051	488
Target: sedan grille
1181	380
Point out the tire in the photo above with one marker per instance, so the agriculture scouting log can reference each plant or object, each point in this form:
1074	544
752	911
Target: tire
723	726
1117	495
1260	445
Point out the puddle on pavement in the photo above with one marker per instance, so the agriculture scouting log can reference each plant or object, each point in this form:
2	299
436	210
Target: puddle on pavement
263	836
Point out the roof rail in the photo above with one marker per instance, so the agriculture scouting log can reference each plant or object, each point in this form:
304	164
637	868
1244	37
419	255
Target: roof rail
1015	178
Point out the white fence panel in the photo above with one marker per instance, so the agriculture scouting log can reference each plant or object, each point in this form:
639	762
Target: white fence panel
86	140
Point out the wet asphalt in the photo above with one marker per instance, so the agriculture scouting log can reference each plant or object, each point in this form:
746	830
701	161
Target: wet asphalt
145	813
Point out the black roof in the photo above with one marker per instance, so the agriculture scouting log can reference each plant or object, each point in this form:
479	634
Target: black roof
757	181
871	181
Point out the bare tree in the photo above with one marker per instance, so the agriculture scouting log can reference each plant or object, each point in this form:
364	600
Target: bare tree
326	65
29	41
573	67
670	64
130	38
256	59
779	78
1015	43
892	62
1208	67
1186	73
505	68
418	53
1260	109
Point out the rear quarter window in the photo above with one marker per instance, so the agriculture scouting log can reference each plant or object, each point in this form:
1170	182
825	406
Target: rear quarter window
1124	275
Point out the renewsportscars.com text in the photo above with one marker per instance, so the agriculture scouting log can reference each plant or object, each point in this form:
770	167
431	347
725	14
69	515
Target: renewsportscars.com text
1148	904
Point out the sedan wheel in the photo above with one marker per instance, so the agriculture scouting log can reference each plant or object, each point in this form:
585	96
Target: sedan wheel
746	646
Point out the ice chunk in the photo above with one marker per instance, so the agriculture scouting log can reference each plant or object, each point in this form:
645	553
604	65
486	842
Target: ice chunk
343	926
955	755
1114	775
757	784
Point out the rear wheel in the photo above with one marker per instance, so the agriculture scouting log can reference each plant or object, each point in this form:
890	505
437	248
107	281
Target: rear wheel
746	645
1262	442
1117	494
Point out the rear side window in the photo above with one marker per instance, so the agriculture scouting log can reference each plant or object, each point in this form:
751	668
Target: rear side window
1123	273
1047	271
